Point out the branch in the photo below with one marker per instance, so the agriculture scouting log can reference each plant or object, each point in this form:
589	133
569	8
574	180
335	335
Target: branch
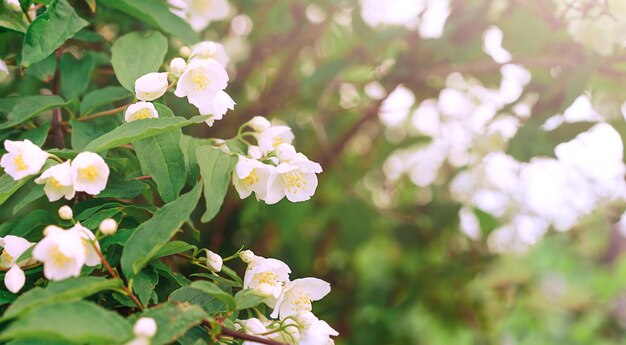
243	336
57	117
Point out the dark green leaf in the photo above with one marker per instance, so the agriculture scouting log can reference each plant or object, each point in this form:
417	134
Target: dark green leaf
124	189
31	106
144	284
136	54
246	299
209	303
189	145
8	186
214	291
75	74
174	247
84	132
174	320
104	96
38	135
35	193
43	70
215	168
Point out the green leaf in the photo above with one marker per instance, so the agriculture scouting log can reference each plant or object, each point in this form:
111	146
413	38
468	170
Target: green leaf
8	186
139	129
12	20
38	135
35	193
79	322
136	54
174	247
49	31
209	303
84	132
174	320
150	236
215	168
75	74
37	219
144	284
43	70
30	106
124	189
214	291
246	299
104	96
189	145
158	15
72	289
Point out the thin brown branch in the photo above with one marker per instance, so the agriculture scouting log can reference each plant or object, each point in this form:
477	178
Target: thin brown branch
113	274
243	336
57	116
103	113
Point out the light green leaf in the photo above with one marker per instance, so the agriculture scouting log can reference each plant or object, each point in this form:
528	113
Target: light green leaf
104	96
246	299
215	168
38	135
49	31
157	14
12	20
152	235
35	193
214	291
78	322
75	74
174	247
136	54
72	289
174	320
189	145
139	129
124	189
209	303
43	70
8	186
30	106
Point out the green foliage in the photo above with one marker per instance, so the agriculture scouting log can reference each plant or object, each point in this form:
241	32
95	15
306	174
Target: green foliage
215	169
136	54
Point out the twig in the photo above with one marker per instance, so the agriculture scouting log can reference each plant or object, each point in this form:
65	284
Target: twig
116	276
57	116
103	113
244	336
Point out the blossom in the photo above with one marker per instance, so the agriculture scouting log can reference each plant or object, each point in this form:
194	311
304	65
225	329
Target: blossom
108	226
62	253
58	182
220	105
252	326
200	82
90	173
145	327
255	152
266	275
151	86
139	111
200	13
314	331
177	66
89	243
249	176
270	138
4	71
294	179
210	50
214	261
23	158
259	123
65	212
13	248
297	296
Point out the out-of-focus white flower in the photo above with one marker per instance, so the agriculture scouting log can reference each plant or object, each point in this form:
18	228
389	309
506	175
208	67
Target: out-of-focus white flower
58	182
270	138
89	243
108	226
90	173
151	86
492	45
62	253
139	111
14	5
259	123
297	296
200	13
434	19
255	152
514	80
214	261
221	104
266	276
210	50
65	212
314	331
249	176
23	158
297	180
4	71
145	327
13	248
177	66
395	108
200	82
429	16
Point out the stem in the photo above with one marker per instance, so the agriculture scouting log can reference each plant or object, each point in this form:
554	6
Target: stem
103	113
26	14
114	275
57	116
243	336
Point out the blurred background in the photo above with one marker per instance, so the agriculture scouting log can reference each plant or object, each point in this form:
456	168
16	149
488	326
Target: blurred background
472	150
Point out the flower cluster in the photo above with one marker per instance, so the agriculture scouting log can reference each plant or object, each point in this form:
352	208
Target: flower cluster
273	169
87	172
200	13
202	79
290	300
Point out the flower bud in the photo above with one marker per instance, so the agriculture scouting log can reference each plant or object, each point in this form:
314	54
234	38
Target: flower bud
65	212
140	111
214	261
184	51
247	256
259	123
151	86
145	327
50	228
108	226
255	152
177	66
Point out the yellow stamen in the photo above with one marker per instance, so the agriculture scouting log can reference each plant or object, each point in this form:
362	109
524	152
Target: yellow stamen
199	79
277	141
58	258
6	257
55	183
19	162
143	114
269	278
301	302
251	179
293	181
89	173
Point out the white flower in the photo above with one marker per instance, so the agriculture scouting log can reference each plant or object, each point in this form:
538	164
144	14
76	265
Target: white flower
255	152
65	212
90	173
4	71
58	182
247	256
250	176
108	226
252	326
139	111
210	50
200	82
145	327
220	105
23	158
214	261
177	66
13	248
62	253
273	136
200	13
294	179
313	330
266	275
259	123
297	296
151	86
89	241
13	5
